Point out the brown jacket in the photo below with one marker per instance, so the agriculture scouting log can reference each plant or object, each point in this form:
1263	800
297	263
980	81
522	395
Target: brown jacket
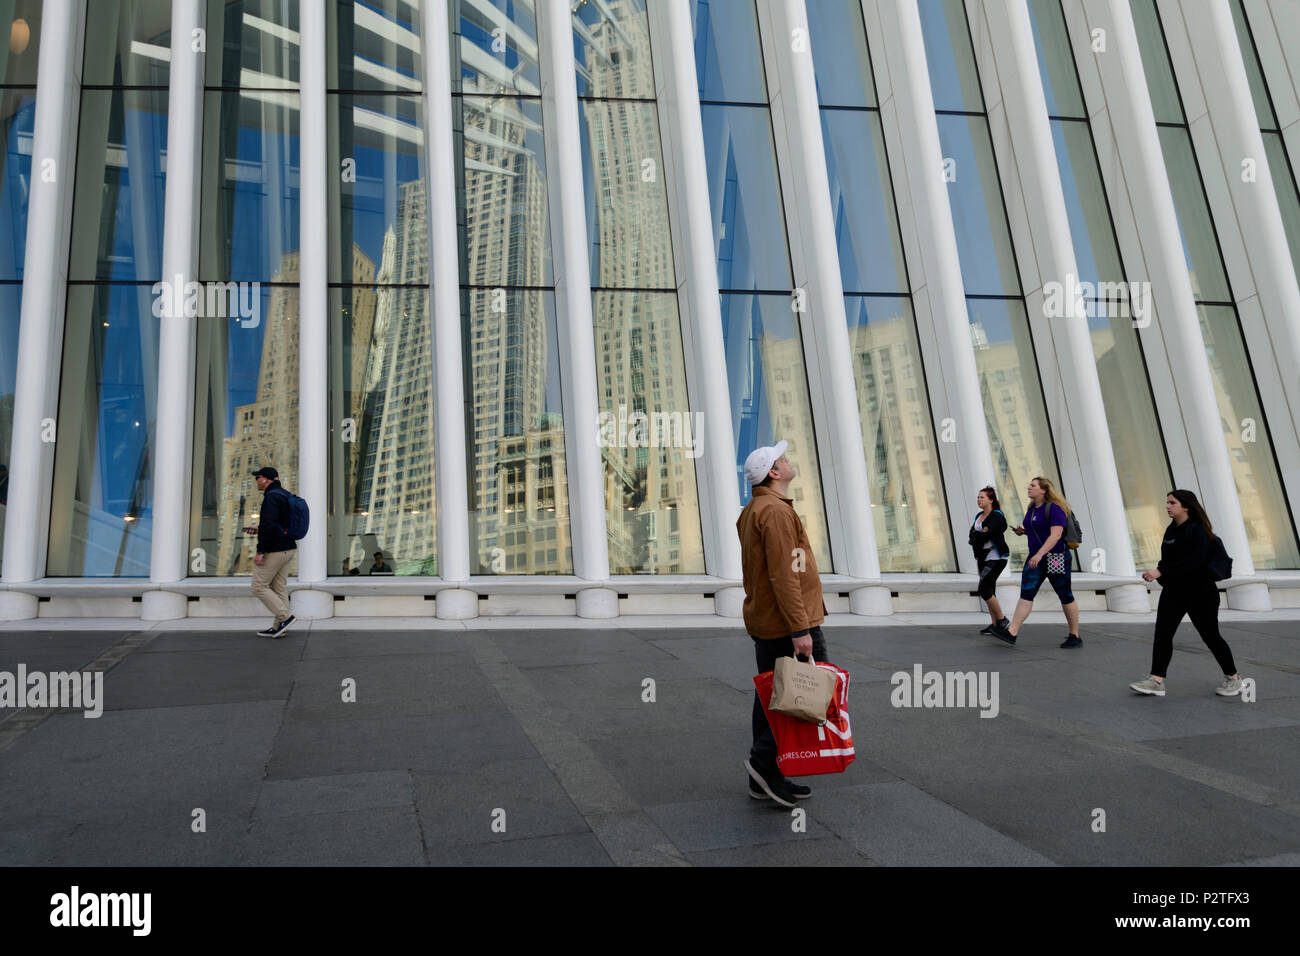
779	600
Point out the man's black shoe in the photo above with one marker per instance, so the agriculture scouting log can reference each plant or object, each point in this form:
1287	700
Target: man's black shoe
1002	623
1002	634
799	790
284	626
1073	640
775	787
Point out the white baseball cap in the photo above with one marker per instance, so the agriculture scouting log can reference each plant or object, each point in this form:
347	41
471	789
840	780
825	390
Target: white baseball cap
761	460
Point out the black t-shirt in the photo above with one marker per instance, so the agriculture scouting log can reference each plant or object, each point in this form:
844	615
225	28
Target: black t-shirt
1185	555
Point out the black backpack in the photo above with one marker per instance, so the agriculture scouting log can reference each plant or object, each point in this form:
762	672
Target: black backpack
1220	561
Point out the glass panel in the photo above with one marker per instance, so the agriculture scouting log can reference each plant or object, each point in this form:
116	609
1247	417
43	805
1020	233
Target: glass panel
246	417
840	58
11	302
249	218
19	56
117	220
17	119
505	239
954	80
649	439
1205	268
101	515
252	44
1254	73
745	195
1056	60
627	211
988	265
908	505
518	483
1095	252
383	201
494	47
128	43
1161	86
611	47
381	453
1013	400
728	59
1288	195
1250	449
769	401
866	227
374	45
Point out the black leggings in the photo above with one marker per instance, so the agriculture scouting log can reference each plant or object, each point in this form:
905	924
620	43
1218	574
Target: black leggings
989	573
1202	603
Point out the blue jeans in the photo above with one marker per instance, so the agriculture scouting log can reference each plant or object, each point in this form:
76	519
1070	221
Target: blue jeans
762	755
1031	579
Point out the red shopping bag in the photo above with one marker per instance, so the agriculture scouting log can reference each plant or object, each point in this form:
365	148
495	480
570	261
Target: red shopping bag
803	748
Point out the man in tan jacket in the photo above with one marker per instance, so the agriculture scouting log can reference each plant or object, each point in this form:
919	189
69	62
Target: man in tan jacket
783	601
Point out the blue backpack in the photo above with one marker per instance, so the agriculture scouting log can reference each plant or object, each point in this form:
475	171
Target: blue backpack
299	516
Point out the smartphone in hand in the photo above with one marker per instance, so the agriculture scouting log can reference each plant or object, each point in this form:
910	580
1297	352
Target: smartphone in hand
251	530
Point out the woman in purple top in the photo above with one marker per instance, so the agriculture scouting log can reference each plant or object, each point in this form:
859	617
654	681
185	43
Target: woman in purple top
1048	558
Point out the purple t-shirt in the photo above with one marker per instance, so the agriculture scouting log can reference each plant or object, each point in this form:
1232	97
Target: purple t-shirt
1038	527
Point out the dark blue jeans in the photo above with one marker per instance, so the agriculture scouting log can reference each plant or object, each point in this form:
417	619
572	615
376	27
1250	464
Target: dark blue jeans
762	755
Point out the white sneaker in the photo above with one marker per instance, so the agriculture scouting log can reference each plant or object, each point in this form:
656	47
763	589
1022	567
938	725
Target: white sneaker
1149	685
1230	687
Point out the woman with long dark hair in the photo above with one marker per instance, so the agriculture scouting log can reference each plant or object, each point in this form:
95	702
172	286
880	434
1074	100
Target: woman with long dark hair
991	552
1187	587
1049	557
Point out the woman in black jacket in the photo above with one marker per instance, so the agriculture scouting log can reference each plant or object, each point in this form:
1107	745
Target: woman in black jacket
1187	587
991	552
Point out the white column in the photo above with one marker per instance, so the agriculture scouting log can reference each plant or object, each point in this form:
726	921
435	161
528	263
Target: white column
313	305
444	296
937	289
573	307
1241	190
176	336
1070	379
1275	25
796	117
45	285
686	173
1176	327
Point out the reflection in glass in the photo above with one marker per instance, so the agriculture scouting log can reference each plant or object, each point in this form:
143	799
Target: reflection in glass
11	302
988	264
908	505
950	57
101	514
383	199
1161	85
117	223
611	47
518	482
374	45
649	440
18	57
728	60
1288	194
128	43
769	401
1013	400
1056	60
17	118
249	219
866	229
494	47
381	391
252	44
745	195
627	213
1269	526
1095	252
1254	72
1200	246
504	236
245	417
839	46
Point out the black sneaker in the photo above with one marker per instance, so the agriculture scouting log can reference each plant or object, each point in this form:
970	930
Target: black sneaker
1002	634
271	631
757	792
776	787
799	790
1074	640
284	626
1002	623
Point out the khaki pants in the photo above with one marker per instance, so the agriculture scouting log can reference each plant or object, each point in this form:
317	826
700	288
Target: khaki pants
271	583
